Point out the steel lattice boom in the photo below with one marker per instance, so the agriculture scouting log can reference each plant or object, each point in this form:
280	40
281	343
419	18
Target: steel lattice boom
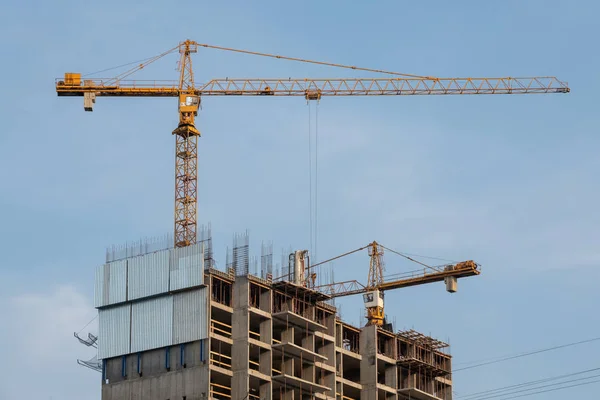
319	87
413	278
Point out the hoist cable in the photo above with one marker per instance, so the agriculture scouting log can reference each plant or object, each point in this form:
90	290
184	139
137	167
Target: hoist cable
316	176
310	198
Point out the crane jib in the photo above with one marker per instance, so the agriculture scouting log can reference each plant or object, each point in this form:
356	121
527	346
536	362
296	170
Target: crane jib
314	88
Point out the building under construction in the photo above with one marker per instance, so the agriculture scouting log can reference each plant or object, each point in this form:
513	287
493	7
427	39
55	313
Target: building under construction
172	326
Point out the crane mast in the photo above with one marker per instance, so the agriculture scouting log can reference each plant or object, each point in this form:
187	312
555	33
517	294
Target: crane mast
189	94
186	151
374	300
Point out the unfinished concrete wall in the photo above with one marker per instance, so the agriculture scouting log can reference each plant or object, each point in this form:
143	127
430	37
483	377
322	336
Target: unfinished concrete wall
169	373
190	383
154	362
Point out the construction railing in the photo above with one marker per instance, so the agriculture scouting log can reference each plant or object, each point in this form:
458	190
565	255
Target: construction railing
254	365
220	360
254	335
220	328
220	392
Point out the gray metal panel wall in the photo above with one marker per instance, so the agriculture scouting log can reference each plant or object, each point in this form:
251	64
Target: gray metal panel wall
100	287
190	316
111	284
187	267
148	275
114	332
117	287
152	323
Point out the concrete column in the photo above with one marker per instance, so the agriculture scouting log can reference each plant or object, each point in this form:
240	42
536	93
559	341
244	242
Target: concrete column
288	366
266	332
328	350
311	312
368	364
391	370
266	303
265	359
266	356
391	376
289	395
448	390
241	348
265	391
287	335
308	341
308	370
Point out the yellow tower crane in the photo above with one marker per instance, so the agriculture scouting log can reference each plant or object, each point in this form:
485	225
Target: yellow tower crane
189	95
377	284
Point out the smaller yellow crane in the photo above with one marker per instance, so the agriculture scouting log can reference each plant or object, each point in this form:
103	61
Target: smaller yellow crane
373	291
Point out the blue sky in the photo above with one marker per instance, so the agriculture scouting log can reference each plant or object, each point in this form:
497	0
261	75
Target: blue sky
509	181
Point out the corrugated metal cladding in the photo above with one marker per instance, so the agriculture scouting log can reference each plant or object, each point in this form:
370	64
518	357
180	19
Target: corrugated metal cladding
148	275
99	287
111	283
114	332
152	323
190	316
187	267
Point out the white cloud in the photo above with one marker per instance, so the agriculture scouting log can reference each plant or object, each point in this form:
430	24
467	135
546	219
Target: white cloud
40	333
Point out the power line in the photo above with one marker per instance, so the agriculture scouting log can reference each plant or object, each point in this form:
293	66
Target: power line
526	354
536	388
551	390
503	388
488	394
